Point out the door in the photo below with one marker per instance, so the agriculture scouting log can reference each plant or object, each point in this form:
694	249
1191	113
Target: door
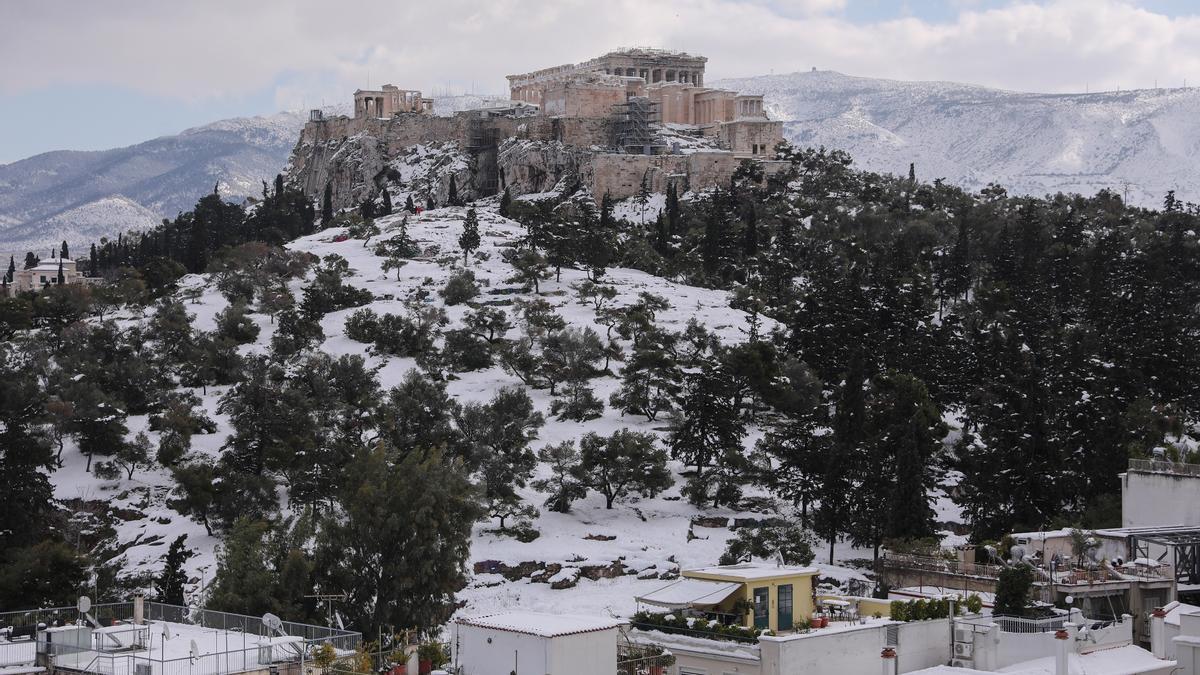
785	607
762	604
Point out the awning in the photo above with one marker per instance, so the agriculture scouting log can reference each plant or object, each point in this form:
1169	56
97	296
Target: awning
686	593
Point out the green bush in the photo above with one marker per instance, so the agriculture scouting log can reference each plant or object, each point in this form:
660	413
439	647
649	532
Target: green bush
460	288
362	326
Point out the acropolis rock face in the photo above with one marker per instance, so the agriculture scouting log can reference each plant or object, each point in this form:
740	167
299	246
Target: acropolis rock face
606	123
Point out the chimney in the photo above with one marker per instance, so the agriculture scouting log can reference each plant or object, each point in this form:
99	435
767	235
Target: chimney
888	656
1062	648
139	609
1158	633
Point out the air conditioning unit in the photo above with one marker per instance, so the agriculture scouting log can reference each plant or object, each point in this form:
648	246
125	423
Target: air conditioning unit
141	669
964	650
963	635
961	663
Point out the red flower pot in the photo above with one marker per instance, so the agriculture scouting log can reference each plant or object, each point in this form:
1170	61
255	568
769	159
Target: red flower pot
425	666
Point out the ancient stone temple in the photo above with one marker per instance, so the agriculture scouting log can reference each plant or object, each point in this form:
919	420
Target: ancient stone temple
389	101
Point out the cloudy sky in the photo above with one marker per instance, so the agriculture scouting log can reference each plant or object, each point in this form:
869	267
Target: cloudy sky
80	74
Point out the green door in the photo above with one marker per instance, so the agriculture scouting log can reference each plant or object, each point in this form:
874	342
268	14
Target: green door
785	607
762	605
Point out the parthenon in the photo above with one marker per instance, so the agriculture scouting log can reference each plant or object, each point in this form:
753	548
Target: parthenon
673	82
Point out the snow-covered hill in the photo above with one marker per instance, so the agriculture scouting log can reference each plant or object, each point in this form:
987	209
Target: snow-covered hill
1146	141
606	557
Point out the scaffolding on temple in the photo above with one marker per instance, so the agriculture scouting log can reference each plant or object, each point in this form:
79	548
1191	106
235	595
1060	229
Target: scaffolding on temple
634	130
483	142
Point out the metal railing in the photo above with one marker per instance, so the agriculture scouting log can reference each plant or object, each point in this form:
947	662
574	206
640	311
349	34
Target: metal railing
706	634
1164	466
251	655
908	561
1022	624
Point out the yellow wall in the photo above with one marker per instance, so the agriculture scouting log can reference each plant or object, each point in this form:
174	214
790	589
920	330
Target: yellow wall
802	596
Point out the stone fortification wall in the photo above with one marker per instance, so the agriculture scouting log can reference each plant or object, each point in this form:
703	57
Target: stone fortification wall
530	154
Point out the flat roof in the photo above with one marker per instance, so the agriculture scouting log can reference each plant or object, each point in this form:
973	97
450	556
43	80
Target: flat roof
543	625
754	571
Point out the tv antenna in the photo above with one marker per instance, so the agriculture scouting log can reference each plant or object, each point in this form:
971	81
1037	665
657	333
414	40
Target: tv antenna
328	599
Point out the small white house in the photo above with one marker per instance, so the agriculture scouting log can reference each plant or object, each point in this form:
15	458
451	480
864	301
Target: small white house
528	643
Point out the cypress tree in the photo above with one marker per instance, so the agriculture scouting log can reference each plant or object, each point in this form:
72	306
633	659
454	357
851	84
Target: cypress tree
453	194
61	280
65	252
387	203
505	202
469	239
12	269
408	204
327	206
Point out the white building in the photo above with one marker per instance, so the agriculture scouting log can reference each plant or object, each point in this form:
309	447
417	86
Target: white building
1158	493
45	274
527	643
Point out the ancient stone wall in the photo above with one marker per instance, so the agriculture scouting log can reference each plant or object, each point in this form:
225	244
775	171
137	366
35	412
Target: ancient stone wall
530	154
751	138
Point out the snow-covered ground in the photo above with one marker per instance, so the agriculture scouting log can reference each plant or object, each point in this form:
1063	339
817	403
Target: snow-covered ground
651	537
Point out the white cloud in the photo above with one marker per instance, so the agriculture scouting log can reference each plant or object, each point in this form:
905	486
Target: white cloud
314	49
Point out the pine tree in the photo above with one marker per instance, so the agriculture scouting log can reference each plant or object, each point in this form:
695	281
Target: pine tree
31	260
418	552
429	203
327	206
408	204
650	380
469	239
623	464
709	438
833	518
562	487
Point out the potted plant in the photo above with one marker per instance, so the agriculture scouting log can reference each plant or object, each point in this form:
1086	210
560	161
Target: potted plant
430	655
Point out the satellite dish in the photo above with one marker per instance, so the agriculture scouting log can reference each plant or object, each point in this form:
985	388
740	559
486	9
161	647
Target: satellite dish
166	632
194	654
1070	599
272	622
84	604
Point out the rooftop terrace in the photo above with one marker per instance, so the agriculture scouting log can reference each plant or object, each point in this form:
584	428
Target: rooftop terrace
170	640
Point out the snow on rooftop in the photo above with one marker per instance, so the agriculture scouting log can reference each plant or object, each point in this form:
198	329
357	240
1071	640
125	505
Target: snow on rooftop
543	625
754	571
1127	660
690	593
1175	609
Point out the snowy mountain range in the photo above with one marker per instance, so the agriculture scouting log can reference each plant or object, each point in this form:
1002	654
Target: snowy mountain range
1145	142
82	196
1140	143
